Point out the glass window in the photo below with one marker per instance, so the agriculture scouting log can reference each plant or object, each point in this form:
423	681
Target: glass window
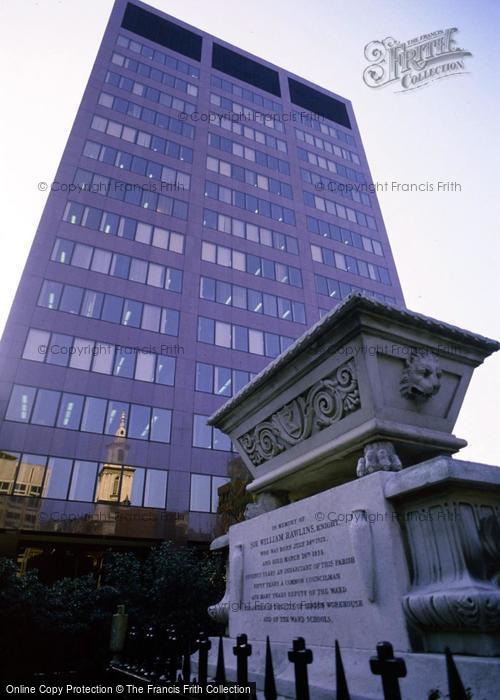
83	481
120	266
173	279
155	492
50	294
81	353
240	338
206	330
256	341
204	377
112	309
92	304
202	433
30	475
165	370
138	270
169	322
240	378
155	275
160	238
81	256
71	299
139	422
223	334
222	381
132	313
132	486
124	362
45	410
103	358
110	223
59	349
115	411
200	493
160	425
143	233
207	288
57	478
101	261
70	411
145	367
36	345
151	317
93	415
62	251
217	482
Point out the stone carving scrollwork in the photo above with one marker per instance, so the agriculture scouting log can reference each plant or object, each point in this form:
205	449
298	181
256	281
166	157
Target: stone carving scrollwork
325	403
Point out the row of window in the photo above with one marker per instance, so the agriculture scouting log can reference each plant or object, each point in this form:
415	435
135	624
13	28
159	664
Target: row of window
330	165
253	264
234	108
221	381
340	290
95	356
343	235
245	93
81	480
329	130
164	59
249	177
150	116
323	145
137	165
249	202
141	195
339	188
154	74
230	335
142	138
251	154
330	257
343	212
209	438
34	475
117	265
250	231
123	227
251	300
108	307
241	129
88	414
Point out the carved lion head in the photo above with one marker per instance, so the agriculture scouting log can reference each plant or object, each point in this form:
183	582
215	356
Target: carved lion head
421	377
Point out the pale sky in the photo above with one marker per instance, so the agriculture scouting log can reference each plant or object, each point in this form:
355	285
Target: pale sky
446	245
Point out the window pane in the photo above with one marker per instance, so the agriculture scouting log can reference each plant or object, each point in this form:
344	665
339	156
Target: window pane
81	256
132	313
221	441
204	377
223	334
222	381
36	345
217	482
202	433
132	486
124	362
103	358
57	478
155	492
30	475
145	367
92	304
50	294
165	370
59	348
139	422
71	299
151	317
93	415
116	410
169	322
160	425
45	410
112	309
83	481
200	493
206	329
101	261
70	411
256	342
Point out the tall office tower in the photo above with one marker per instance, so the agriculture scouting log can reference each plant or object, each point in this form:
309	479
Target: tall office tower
208	208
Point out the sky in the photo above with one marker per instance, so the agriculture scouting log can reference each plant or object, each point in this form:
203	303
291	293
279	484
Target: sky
446	244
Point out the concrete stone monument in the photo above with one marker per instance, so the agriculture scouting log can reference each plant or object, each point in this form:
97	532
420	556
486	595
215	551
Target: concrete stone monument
364	527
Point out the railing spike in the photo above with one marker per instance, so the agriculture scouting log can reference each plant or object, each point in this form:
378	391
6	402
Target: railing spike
269	682
456	688
220	674
301	657
342	692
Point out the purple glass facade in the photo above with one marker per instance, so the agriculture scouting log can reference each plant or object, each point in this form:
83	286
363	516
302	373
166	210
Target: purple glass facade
200	221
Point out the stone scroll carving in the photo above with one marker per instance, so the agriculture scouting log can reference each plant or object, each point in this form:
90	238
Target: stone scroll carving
323	404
